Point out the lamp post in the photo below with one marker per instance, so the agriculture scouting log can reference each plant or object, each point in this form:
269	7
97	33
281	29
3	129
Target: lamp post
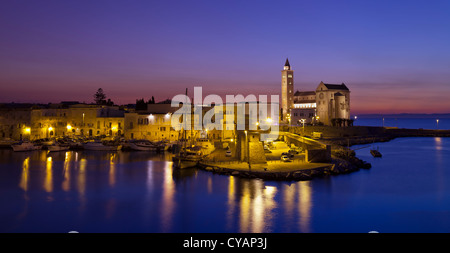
248	150
437	123
303	125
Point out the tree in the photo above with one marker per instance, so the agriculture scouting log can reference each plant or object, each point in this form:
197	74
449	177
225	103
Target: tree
99	97
140	104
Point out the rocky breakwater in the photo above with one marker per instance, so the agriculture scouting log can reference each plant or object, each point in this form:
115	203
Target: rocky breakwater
340	164
345	162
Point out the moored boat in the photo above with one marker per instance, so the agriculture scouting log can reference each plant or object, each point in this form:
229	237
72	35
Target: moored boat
186	159
375	153
101	146
142	145
25	146
58	147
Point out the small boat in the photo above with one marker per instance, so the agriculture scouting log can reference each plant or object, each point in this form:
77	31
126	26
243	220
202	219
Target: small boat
5	143
101	146
25	146
205	145
187	159
58	147
375	153
142	145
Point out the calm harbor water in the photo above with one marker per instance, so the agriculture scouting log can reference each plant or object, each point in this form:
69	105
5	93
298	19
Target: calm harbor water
407	190
430	122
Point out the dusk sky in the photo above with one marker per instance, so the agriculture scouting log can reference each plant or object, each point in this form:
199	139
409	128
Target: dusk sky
393	55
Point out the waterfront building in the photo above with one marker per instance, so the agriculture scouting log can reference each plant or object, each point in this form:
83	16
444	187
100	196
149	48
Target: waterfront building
304	110
333	102
153	123
328	104
15	121
31	122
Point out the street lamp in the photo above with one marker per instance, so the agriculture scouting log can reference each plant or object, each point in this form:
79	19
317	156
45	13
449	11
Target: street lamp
303	122
437	123
248	150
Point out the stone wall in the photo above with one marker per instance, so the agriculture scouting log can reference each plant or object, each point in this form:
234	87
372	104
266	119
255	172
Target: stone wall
318	155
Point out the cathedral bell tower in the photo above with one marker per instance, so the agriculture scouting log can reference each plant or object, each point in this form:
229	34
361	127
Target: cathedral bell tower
287	91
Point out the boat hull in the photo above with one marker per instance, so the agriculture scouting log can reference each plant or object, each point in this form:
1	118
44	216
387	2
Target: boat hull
22	147
102	147
55	148
184	163
137	147
375	153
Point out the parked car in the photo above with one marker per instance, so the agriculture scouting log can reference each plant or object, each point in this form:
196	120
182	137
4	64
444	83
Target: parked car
290	155
285	158
228	153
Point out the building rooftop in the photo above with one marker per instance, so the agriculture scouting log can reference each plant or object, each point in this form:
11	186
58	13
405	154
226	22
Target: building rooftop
335	86
287	63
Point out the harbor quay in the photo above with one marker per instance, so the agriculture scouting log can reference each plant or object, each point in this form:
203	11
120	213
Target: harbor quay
307	159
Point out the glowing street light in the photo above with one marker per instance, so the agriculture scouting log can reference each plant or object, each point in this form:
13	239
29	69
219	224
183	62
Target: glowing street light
437	123
248	149
28	130
69	127
269	120
50	128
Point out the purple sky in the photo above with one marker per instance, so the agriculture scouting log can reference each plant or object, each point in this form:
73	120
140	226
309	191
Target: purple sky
393	55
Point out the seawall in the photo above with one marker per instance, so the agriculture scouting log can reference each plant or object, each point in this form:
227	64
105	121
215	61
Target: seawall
353	135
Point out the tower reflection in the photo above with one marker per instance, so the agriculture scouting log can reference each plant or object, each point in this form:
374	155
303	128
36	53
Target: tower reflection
252	205
305	204
256	205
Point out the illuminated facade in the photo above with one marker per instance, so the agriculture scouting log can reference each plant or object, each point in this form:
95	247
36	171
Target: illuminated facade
31	122
328	103
287	91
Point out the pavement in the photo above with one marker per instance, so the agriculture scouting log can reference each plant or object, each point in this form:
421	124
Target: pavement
274	162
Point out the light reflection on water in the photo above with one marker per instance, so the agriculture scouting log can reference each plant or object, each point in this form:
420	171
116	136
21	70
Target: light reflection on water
98	187
140	192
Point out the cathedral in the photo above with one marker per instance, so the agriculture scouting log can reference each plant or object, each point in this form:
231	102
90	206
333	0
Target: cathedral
329	104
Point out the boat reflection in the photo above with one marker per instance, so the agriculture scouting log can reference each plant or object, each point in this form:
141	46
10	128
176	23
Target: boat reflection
168	202
48	183
25	174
